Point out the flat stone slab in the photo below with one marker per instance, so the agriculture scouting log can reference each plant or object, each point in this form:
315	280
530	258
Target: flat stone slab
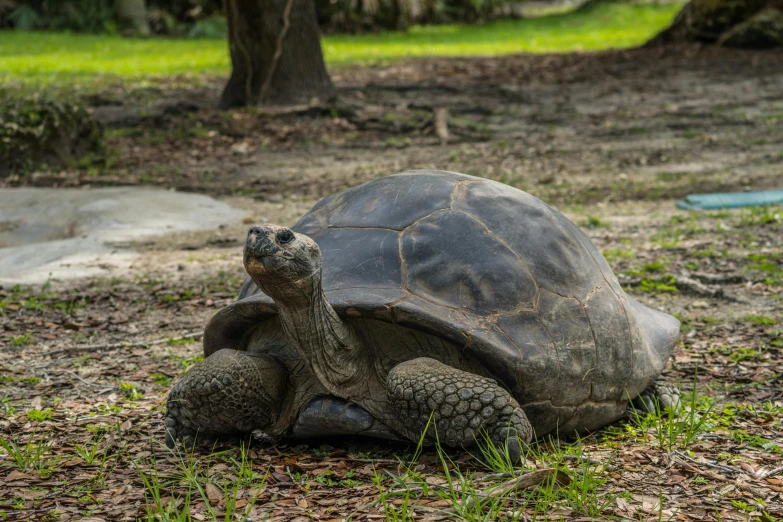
72	233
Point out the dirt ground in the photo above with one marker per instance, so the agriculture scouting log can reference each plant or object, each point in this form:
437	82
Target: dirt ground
611	139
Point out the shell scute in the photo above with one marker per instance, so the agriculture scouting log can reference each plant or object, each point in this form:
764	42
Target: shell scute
538	363
566	322
548	243
440	253
396	202
417	313
609	324
364	258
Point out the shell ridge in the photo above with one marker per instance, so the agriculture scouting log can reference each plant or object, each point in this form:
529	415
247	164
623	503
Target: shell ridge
625	305
595	339
341	227
570	310
403	264
457	188
557	348
521	351
434	172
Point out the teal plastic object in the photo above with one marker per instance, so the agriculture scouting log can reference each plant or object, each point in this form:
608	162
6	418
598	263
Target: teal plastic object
720	200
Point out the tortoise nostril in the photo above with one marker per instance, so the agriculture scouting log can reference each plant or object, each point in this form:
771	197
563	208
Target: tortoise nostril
255	230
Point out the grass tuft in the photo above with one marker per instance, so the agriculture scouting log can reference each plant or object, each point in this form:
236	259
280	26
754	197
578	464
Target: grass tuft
674	429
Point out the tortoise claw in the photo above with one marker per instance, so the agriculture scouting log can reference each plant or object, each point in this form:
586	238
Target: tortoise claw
181	436
263	438
657	398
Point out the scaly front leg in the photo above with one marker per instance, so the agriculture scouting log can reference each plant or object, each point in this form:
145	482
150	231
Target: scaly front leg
229	393
461	404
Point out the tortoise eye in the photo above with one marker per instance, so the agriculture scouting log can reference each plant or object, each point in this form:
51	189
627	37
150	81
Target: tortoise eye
284	237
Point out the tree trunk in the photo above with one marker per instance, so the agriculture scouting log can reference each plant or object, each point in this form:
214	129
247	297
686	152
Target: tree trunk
133	13
709	20
275	54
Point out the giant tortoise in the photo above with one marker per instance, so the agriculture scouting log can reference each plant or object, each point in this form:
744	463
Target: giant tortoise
425	298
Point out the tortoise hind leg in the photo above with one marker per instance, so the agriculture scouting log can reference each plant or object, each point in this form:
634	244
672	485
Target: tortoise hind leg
658	397
461	405
229	393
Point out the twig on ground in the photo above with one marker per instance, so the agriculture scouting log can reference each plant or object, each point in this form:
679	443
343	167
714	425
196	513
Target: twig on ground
275	484
49	363
492	476
582	459
27	512
770	473
92	417
373	461
711	464
124	344
717	279
525	481
444	486
420	488
739	484
689	285
694	286
88	383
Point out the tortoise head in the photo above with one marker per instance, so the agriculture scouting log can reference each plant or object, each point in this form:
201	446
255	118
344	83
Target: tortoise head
278	259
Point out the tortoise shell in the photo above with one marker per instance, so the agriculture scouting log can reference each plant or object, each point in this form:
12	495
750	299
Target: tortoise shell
504	277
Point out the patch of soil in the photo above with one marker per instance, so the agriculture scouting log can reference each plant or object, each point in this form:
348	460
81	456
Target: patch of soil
573	128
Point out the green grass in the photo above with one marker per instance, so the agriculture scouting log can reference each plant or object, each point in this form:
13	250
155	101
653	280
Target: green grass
604	27
656	285
555	486
31	456
44	58
672	429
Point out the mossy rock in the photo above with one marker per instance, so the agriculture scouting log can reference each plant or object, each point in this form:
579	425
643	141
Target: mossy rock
36	130
734	23
709	19
763	30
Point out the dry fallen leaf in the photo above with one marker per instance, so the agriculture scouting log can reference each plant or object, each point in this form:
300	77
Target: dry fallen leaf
214	493
17	475
649	503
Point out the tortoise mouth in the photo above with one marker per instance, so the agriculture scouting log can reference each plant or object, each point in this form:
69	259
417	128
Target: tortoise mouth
264	259
269	255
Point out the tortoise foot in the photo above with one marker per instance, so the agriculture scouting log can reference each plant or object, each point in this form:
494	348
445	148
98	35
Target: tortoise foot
188	438
227	396
461	407
657	398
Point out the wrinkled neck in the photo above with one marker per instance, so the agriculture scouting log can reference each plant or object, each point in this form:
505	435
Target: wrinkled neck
293	293
328	345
